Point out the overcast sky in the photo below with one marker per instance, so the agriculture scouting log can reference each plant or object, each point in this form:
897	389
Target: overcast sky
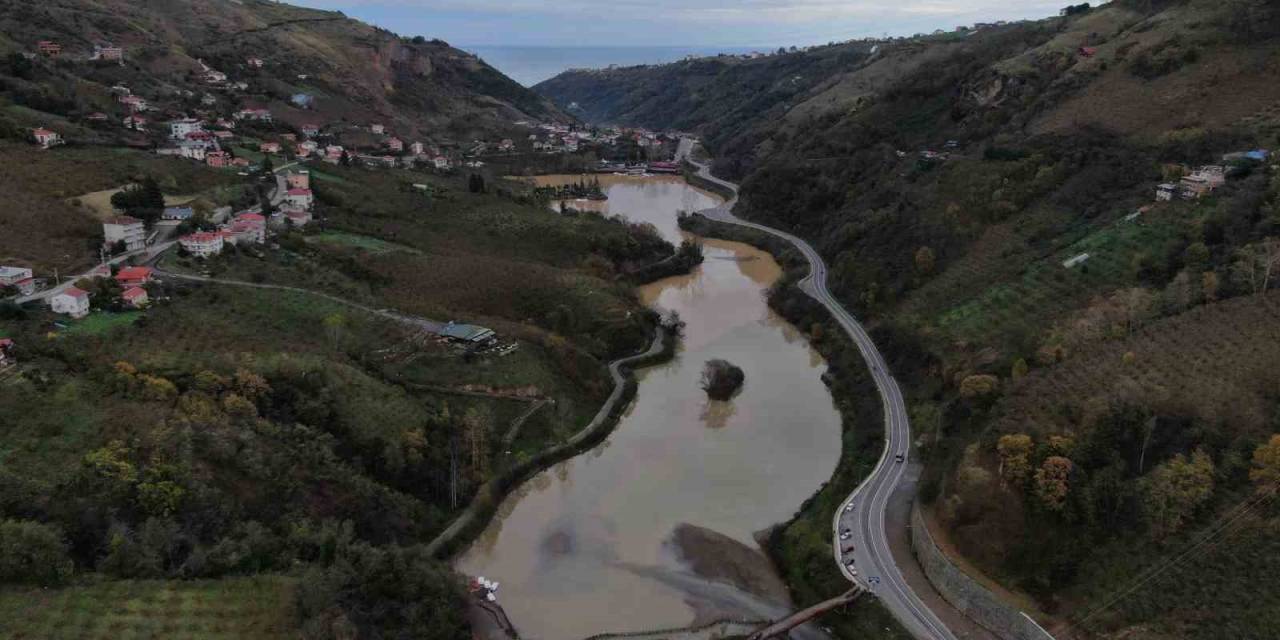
712	23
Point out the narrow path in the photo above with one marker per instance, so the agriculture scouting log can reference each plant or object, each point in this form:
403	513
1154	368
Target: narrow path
862	513
493	492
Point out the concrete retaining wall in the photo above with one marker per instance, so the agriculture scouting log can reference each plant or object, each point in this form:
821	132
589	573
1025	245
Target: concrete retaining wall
965	594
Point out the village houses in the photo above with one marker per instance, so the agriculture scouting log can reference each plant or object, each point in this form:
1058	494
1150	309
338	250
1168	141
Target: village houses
299	198
248	228
269	147
178	213
395	144
133	103
134	276
135	122
135	297
1194	185
218	159
47	138
49	48
299	179
255	63
181	128
202	244
131	231
259	115
19	278
71	301
107	53
377	128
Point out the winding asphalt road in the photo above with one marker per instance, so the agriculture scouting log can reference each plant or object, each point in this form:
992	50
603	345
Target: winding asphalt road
863	511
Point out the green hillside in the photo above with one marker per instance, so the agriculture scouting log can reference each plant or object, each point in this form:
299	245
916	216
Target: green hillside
947	179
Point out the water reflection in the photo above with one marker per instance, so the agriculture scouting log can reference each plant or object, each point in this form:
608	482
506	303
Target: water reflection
583	548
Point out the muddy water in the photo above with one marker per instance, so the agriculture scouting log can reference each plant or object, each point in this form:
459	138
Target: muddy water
585	547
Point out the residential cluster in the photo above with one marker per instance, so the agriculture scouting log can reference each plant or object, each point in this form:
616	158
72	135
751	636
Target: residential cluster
1200	182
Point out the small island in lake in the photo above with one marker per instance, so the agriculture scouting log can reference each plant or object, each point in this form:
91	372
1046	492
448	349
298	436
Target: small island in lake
584	189
721	379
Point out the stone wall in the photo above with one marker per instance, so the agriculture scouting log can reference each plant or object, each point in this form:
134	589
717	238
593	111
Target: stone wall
965	594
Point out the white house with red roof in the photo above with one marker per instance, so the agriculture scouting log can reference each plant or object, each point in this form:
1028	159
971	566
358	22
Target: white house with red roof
202	244
46	137
299	179
134	103
249	228
417	148
395	144
135	297
257	114
333	153
218	159
255	63
130	230
377	128
19	278
71	301
300	198
135	122
182	128
269	147
134	276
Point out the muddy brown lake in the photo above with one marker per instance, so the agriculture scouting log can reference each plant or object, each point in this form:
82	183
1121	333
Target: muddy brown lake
589	546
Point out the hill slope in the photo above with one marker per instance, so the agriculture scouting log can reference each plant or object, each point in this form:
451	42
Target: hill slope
354	71
1061	130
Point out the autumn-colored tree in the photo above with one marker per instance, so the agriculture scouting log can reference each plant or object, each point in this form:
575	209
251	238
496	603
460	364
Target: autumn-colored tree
1053	482
251	385
925	260
979	385
156	389
1015	457
1019	368
210	382
1061	445
1209	286
1265	473
1175	489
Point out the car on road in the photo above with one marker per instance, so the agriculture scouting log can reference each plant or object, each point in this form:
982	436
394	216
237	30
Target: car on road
849	563
845	535
847	550
899	457
848	507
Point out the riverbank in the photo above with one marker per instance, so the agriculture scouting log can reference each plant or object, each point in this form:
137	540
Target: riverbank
463	530
801	547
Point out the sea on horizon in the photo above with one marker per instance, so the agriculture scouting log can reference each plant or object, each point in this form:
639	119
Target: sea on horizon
530	65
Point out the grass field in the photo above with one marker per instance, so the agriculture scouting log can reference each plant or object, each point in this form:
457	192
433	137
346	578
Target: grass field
101	322
258	607
366	243
100	201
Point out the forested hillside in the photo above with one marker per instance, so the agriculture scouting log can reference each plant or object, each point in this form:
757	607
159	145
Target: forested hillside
1094	384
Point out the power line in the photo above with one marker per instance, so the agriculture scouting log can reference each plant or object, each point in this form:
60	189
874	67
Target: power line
1223	524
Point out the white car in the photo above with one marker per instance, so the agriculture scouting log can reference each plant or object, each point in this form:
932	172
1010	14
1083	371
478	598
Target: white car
846	535
848	507
849	563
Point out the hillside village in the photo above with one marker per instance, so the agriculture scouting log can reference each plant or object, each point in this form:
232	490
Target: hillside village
218	123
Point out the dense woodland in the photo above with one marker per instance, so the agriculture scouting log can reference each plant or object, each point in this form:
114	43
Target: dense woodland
1079	424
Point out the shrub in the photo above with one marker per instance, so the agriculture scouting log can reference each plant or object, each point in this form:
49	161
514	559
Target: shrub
33	553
